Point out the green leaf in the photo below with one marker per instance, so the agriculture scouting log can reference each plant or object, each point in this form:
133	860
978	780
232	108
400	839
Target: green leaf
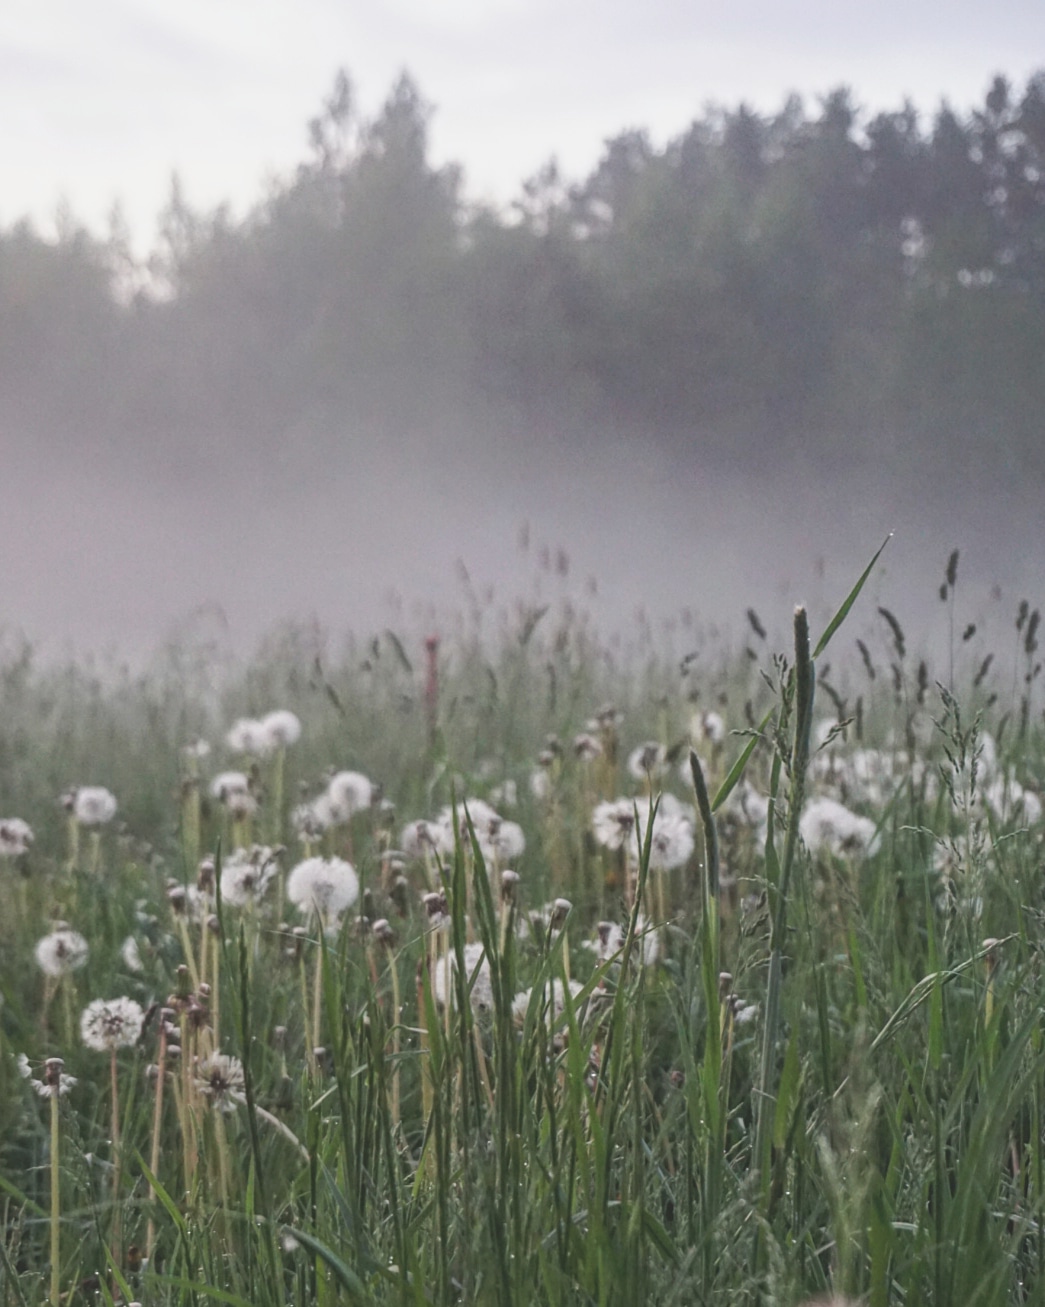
737	770
850	599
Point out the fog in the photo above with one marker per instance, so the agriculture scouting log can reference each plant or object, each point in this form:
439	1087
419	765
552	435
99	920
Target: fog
107	560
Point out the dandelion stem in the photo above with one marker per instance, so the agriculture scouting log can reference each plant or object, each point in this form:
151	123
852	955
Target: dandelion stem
157	1122
116	1172
56	1199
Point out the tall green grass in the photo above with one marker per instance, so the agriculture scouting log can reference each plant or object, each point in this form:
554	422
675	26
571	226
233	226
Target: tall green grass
873	1130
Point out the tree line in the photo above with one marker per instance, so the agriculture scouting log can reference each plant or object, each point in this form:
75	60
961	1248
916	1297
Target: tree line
846	286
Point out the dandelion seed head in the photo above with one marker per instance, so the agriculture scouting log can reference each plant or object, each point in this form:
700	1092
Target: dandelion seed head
61	951
553	1000
248	735
94	805
482	990
16	837
247	874
613	822
587	747
282	727
828	826
347	793
228	783
647	760
131	955
323	887
108	1024
219	1078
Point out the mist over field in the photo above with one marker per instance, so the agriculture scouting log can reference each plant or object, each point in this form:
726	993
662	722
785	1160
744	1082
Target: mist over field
101	558
709	376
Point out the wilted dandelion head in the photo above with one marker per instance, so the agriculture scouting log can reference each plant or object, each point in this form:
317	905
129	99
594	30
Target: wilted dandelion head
647	760
54	1082
16	836
323	887
61	951
609	937
219	1078
282	727
587	747
94	805
247	874
108	1024
437	910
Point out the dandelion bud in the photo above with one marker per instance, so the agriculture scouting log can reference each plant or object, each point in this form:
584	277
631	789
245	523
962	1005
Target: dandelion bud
435	904
509	884
205	876
203	992
152	1073
279	1038
178	899
213	924
400	895
53	1068
197	1016
605	931
383	932
561	909
725	984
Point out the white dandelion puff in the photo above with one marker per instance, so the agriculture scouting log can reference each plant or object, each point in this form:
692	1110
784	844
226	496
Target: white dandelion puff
648	760
347	793
108	1024
613	822
61	951
323	887
94	805
828	826
16	837
443	979
131	954
282	727
220	1079
248	735
247	874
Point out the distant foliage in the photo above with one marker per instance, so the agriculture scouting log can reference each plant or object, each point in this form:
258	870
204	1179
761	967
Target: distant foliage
830	281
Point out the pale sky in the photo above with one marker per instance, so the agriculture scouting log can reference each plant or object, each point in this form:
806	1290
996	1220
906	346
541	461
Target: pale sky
105	99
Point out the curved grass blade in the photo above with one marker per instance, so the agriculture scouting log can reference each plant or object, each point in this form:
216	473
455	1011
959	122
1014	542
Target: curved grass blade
849	600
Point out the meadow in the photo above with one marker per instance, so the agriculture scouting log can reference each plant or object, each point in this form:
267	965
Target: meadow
506	967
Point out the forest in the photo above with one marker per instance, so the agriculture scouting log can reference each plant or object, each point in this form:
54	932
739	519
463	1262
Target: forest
855	289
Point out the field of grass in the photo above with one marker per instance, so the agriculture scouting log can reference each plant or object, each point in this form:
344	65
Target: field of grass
525	973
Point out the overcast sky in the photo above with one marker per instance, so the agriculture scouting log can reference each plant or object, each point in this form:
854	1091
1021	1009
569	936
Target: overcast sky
105	100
